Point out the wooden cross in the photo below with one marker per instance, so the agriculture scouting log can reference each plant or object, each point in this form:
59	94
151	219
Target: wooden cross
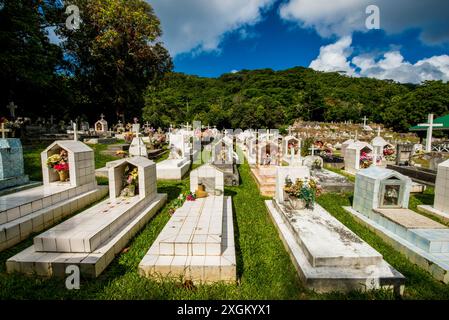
12	109
430	125
4	131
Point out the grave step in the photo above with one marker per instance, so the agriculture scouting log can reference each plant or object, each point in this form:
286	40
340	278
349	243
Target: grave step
433	241
19	229
91	228
28	201
420	231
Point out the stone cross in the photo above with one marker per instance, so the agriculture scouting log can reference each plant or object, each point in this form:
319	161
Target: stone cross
313	149
378	131
430	125
102	116
75	131
290	130
136	129
12	109
365	119
4	131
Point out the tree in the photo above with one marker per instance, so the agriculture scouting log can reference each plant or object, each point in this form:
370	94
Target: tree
28	61
115	55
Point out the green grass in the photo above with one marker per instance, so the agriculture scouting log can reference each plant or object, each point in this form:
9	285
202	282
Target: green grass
263	266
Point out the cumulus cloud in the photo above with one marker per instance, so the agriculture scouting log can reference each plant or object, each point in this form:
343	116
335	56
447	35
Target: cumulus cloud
199	25
334	57
390	65
342	17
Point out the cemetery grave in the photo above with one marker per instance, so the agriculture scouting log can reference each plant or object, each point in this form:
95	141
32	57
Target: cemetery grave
198	241
92	238
327	255
381	199
63	192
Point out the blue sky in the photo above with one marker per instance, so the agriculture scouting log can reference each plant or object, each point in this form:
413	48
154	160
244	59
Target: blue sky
210	37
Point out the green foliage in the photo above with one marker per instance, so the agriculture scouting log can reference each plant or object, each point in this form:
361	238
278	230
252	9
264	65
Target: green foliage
271	99
114	56
28	61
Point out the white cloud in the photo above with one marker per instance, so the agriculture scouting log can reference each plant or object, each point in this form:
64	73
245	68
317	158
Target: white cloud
390	65
334	57
199	25
234	71
342	17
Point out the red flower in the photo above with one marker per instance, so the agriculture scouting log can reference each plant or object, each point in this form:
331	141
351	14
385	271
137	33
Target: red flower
61	167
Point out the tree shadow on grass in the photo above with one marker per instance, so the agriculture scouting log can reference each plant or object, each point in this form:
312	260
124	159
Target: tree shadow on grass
172	191
238	251
424	198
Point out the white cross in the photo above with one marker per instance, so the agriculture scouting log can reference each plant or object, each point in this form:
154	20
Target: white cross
3	131
102	116
430	125
136	129
188	126
147	124
365	119
12	109
378	131
75	131
290	130
313	149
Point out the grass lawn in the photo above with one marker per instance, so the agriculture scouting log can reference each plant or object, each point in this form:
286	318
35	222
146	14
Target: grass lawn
263	266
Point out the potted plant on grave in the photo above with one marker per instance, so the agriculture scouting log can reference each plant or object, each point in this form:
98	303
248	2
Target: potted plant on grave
130	182
366	160
128	136
60	163
302	194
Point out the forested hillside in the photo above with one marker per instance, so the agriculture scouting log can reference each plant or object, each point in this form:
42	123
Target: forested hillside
267	98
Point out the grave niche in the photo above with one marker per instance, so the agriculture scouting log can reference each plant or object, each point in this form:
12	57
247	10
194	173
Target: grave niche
209	176
145	186
378	188
268	154
80	160
52	174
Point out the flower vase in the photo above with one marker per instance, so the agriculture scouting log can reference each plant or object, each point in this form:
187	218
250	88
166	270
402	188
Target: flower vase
63	175
296	203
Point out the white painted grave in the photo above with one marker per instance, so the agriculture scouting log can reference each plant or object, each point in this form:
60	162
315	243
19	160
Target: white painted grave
92	238
327	255
353	156
381	198
440	207
35	209
198	241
